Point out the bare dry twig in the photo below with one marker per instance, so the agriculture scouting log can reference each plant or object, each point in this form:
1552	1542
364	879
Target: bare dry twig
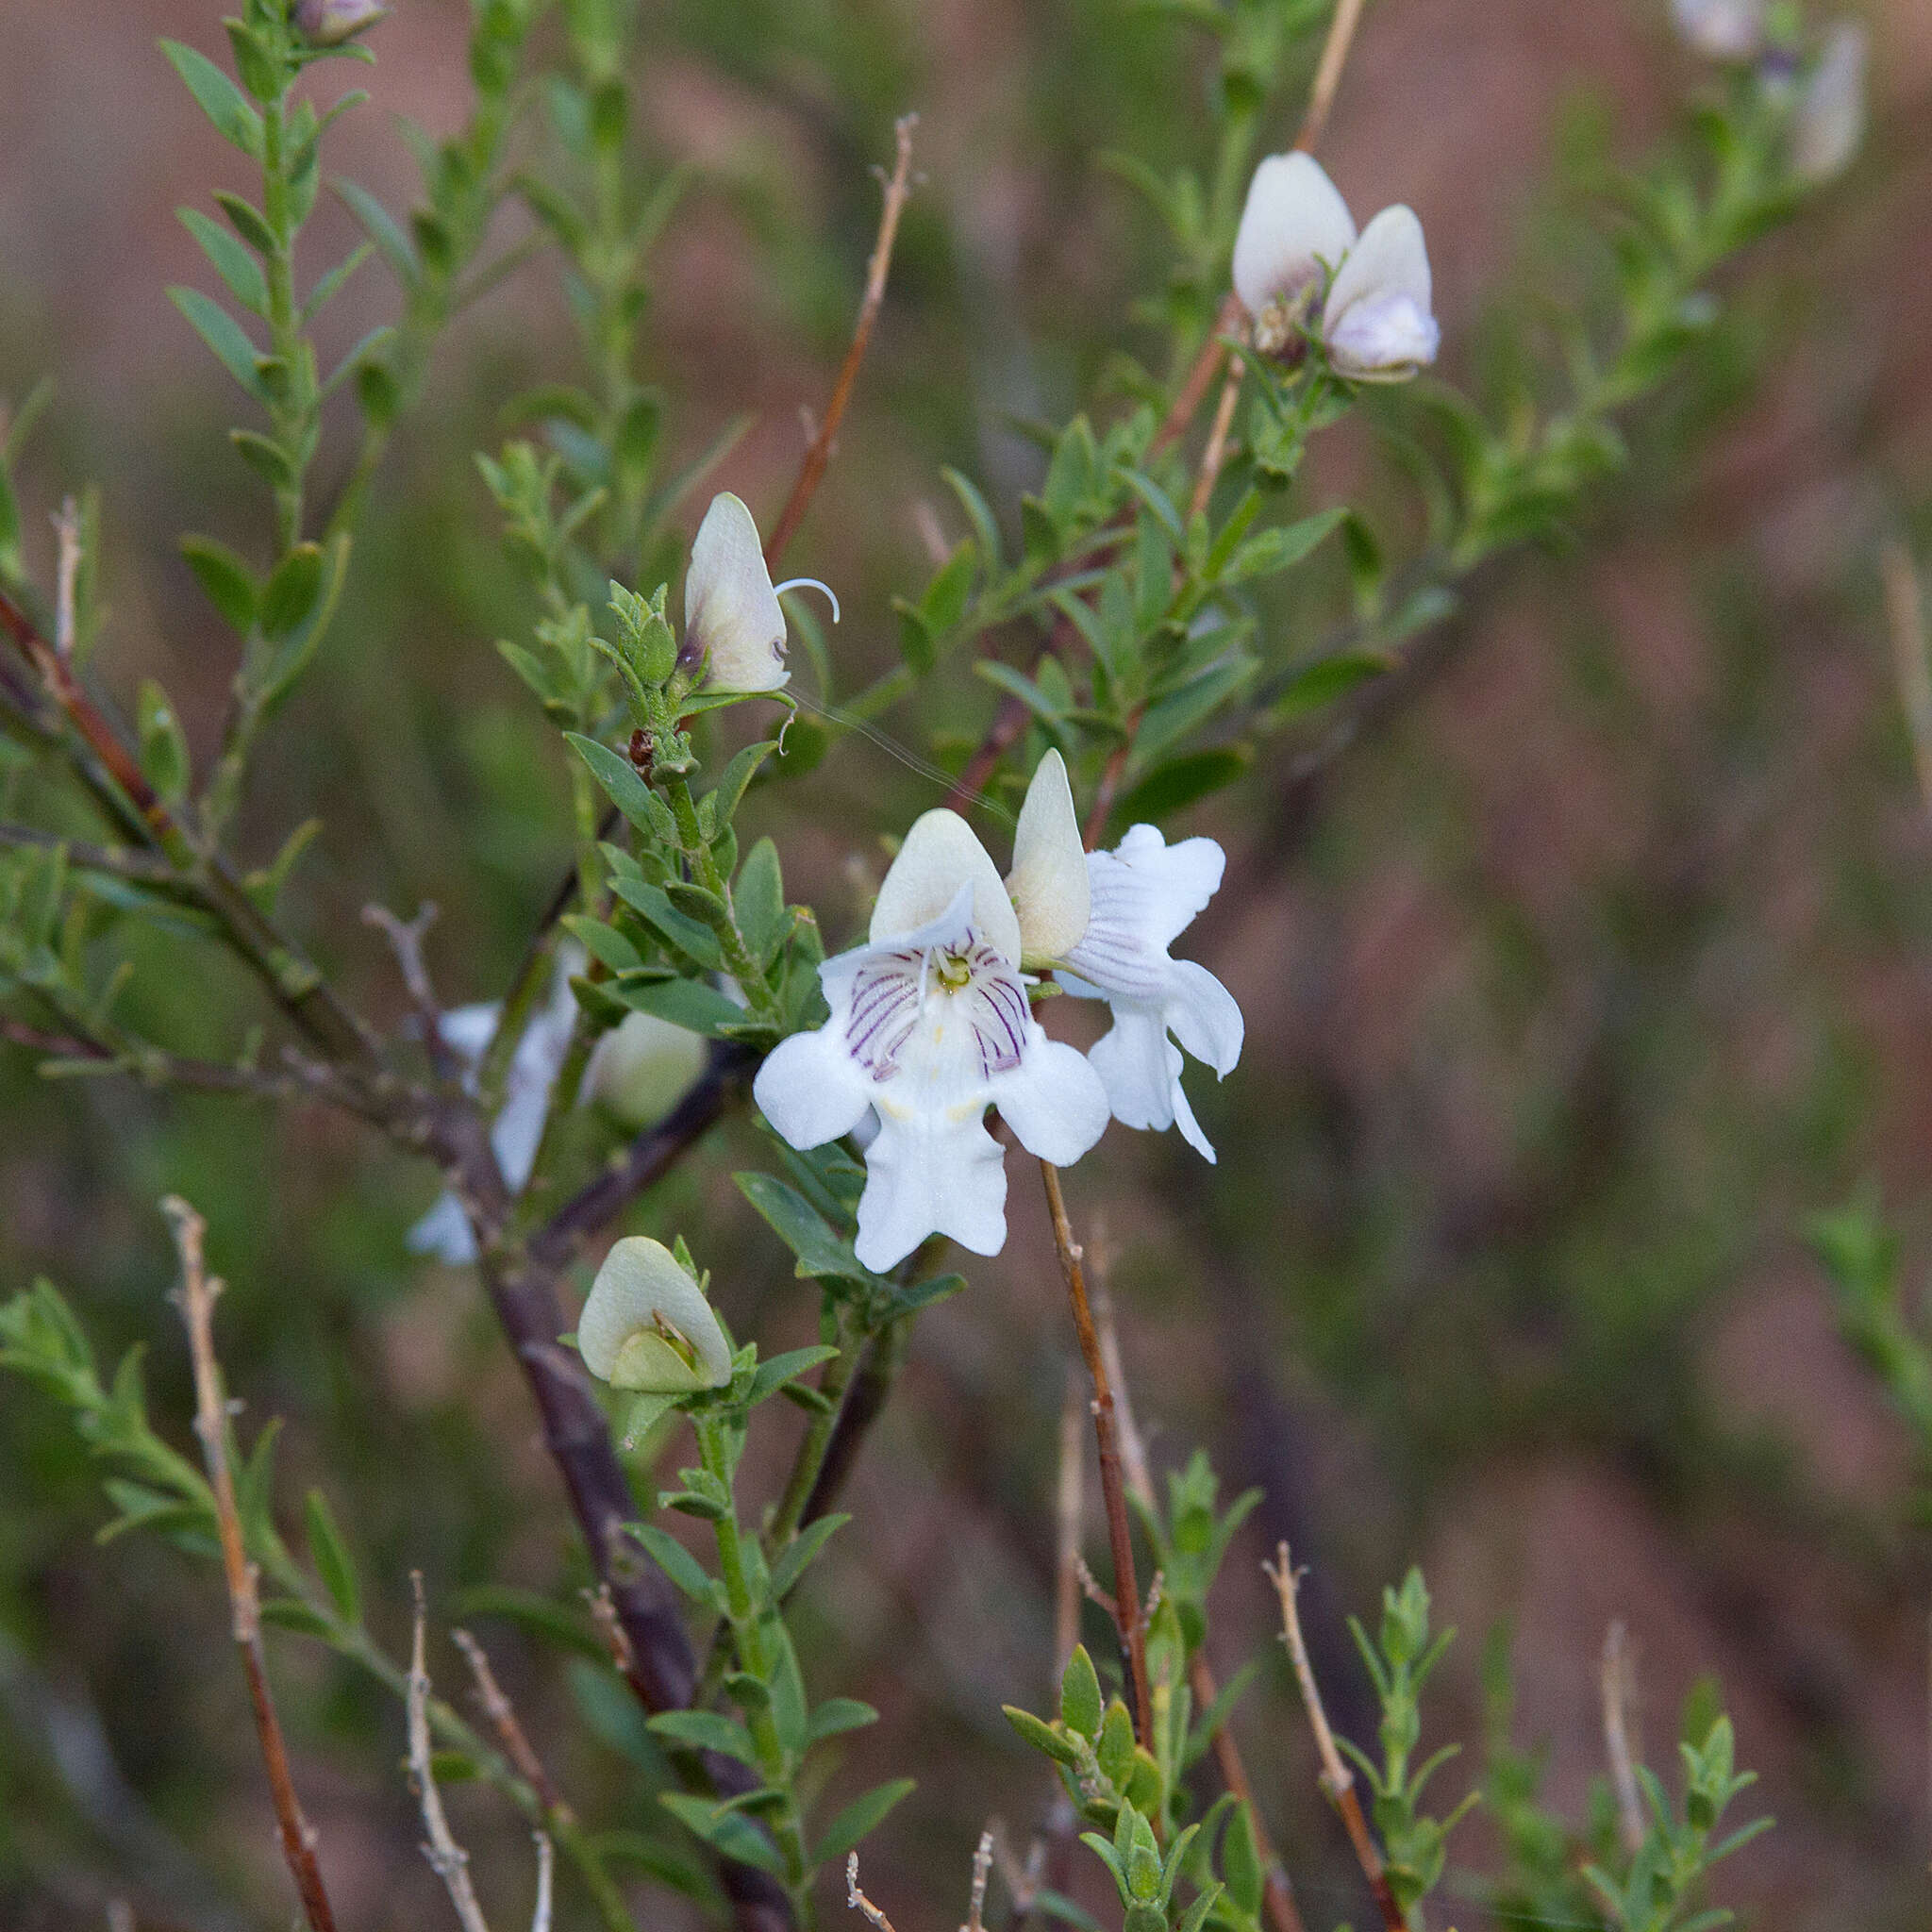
1619	1678
66	575
196	1300
1337	1780
858	1899
982	1865
510	1731
1128	1616
819	453
1069	1515
447	1859
1348	16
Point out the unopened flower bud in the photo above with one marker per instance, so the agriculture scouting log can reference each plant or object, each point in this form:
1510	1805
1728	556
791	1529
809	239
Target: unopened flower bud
1828	124
643	1068
329	23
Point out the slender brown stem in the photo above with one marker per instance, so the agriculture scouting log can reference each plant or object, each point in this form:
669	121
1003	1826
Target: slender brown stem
1337	1780
1619	1681
510	1730
1069	1514
819	453
197	1301
1128	1614
1216	452
1200	376
858	1899
1348	16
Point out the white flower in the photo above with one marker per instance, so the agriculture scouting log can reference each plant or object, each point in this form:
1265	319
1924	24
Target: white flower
1722	29
518	1129
1828	124
1145	894
647	1325
643	1068
1376	320
734	625
930	1027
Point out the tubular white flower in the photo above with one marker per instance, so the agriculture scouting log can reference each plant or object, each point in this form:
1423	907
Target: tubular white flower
1145	893
1377	320
734	625
1828	125
518	1129
1722	29
643	1068
1294	224
646	1325
930	1027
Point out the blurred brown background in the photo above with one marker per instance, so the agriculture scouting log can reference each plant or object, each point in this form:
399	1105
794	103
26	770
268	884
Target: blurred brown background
1569	1000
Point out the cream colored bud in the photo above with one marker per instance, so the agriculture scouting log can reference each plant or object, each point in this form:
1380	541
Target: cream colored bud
646	1325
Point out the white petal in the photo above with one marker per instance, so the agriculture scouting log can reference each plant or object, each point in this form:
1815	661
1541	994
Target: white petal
1189	1128
1830	120
1140	1068
1722	29
1048	882
1053	1100
1181	878
1294	222
731	613
1204	1016
444	1234
809	1089
467	1031
640	1285
930	1172
940	856
1388	266
643	1068
1387	339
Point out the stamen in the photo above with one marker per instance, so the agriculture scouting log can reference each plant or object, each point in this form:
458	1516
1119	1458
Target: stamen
809	584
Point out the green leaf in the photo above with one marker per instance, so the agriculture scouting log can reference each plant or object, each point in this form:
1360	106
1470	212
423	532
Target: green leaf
707	1730
675	1562
269	460
304	639
291	1613
862	1816
687	1002
757	897
247	221
1017	684
1043	1736
731	1832
838	1714
231	260
382	229
801	1551
1322	683
162	744
218	97
773	1374
622	786
331	284
290	596
821	1253
1273	551
738	775
226	581
696	942
228	341
1081	1705
1181	781
604	943
330	1555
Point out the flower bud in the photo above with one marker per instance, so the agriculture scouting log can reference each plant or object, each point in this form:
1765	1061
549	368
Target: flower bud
1828	124
1722	29
329	23
646	1325
643	1068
